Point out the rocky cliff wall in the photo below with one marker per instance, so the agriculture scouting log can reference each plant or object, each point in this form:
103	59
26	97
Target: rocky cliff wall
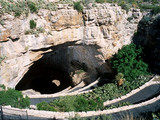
148	36
74	41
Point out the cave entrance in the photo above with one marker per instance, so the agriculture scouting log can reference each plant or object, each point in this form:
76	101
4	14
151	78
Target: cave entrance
62	66
43	77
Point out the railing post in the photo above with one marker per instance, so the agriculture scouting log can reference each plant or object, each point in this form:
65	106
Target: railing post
27	114
1	112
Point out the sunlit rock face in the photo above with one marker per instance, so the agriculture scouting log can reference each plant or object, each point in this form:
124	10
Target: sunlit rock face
74	44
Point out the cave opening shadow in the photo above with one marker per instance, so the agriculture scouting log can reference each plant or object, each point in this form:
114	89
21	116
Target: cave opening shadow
148	37
44	78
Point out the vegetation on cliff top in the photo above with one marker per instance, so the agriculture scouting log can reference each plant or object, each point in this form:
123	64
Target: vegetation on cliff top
78	6
27	6
152	5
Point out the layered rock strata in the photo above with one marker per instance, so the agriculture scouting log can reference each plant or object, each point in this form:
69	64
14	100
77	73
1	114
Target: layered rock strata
77	43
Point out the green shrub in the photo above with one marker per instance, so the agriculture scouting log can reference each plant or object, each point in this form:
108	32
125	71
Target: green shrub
70	103
129	61
82	104
78	6
151	1
18	13
19	8
40	30
13	98
2	58
36	31
86	2
129	19
100	1
106	92
70	2
2	22
155	1
51	6
32	24
32	7
124	5
25	6
156	9
121	104
156	115
3	86
119	76
45	106
111	91
119	79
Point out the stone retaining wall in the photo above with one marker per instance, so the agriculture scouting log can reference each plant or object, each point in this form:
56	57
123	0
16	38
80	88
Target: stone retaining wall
137	109
140	94
75	90
34	100
39	98
151	105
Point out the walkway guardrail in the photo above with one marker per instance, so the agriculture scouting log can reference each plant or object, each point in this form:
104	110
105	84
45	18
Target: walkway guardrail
8	114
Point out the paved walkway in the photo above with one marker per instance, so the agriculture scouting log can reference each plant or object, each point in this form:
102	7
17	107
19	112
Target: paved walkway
148	90
80	89
143	92
151	104
141	95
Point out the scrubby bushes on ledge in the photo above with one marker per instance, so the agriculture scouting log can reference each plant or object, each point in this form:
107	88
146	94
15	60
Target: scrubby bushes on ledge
100	1
14	98
18	8
33	24
111	91
155	9
70	103
33	29
78	6
153	5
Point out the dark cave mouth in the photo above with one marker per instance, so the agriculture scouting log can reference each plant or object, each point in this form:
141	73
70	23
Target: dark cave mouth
44	78
57	69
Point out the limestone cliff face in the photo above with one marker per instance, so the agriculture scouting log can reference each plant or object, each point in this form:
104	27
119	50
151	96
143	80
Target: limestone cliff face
72	40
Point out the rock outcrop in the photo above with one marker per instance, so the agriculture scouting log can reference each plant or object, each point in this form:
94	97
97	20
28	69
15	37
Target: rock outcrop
148	36
78	43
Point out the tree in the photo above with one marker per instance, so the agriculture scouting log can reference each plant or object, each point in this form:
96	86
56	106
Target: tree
129	61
